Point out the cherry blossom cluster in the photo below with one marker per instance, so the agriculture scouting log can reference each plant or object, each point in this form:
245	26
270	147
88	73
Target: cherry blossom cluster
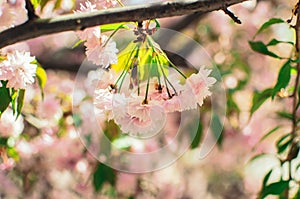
100	49
18	69
144	112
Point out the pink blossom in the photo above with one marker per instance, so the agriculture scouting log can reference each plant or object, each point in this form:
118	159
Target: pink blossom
104	4
92	31
199	84
141	119
18	70
101	51
7	16
9	126
49	108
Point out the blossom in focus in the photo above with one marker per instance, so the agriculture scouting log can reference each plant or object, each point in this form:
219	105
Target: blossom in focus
140	118
9	125
101	50
199	84
18	70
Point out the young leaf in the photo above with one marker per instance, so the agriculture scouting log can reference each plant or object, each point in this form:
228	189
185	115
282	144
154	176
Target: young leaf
275	188
217	128
126	57
5	97
41	77
21	95
274	42
283	79
198	136
260	47
259	98
114	26
267	135
283	143
103	174
285	115
268	24
266	178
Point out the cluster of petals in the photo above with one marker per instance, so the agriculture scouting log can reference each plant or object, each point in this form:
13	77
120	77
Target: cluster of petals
100	49
9	125
18	70
138	117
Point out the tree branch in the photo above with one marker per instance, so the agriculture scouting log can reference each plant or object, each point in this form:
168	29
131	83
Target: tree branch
39	27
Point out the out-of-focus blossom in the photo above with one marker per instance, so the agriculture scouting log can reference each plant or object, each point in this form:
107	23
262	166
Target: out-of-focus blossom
9	125
12	13
18	70
126	183
49	108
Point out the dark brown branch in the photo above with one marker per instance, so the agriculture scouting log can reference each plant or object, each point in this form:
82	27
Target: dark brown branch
30	11
40	27
232	16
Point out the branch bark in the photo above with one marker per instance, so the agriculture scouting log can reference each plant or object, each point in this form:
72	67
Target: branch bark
38	27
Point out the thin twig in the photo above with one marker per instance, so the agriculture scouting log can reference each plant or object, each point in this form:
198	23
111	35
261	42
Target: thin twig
80	21
232	16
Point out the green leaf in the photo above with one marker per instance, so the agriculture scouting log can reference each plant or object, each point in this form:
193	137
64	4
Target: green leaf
77	43
285	115
114	26
198	136
41	77
217	128
274	42
259	98
266	178
283	143
258	156
268	24
3	141
275	188
283	79
12	152
5	97
260	47
267	135
21	95
103	174
126	57
77	120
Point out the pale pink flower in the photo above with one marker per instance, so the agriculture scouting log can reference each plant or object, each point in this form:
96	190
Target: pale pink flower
101	51
104	4
103	101
49	108
87	33
126	183
141	119
9	126
7	16
18	70
199	84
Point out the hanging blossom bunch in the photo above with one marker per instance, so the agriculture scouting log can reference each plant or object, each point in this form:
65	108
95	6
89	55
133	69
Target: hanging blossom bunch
100	49
138	92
